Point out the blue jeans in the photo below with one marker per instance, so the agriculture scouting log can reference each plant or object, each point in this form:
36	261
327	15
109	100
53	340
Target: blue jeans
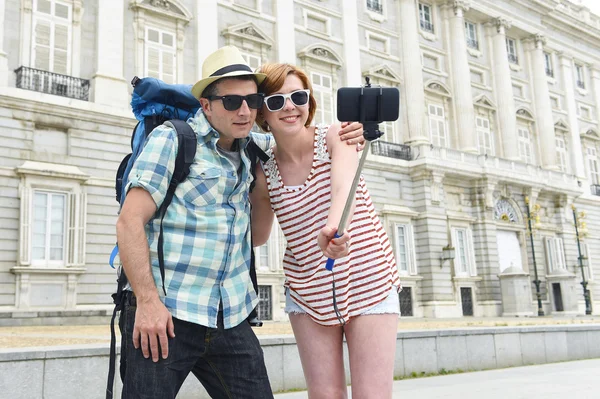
228	362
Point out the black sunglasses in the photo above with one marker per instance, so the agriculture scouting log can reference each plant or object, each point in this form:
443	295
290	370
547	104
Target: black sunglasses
276	102
233	102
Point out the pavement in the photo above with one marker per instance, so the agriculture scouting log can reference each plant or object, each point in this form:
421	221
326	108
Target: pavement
34	336
574	380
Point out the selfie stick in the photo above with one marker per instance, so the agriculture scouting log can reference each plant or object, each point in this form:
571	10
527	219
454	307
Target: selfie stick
371	132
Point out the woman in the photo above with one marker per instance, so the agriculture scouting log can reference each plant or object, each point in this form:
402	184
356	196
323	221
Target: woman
307	181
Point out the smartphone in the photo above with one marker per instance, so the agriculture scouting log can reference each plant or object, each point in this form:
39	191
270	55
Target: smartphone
384	109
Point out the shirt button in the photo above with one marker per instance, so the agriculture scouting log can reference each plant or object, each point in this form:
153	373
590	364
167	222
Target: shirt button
222	283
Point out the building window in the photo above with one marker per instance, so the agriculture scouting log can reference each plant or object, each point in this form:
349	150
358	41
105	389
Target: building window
511	48
252	60
49	228
580	76
375	5
485	140
555	255
437	125
561	153
160	55
265	302
323	93
548	65
592	158
405	252
464	262
262	257
525	152
585	112
51	36
425	17
471	33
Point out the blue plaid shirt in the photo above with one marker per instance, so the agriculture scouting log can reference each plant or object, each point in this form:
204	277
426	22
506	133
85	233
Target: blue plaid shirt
206	227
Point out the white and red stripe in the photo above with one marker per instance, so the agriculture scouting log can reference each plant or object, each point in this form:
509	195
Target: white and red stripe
364	278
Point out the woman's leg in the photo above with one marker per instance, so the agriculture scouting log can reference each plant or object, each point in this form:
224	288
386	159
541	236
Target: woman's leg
321	354
372	347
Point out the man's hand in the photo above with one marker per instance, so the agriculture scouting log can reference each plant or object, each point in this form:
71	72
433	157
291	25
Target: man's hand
352	133
152	321
333	248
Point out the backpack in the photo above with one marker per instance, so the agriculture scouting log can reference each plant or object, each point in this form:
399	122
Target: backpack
155	103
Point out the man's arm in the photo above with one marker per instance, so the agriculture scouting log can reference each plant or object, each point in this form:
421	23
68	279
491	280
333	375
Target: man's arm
262	214
152	319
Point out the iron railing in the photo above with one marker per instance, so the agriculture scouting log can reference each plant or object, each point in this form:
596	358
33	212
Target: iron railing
391	150
52	83
549	72
427	26
595	188
406	305
375	5
513	59
474	44
580	84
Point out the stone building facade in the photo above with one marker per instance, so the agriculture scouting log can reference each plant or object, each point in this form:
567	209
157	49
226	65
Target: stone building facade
500	103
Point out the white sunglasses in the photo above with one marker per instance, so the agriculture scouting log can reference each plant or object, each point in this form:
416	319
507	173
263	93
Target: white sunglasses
276	102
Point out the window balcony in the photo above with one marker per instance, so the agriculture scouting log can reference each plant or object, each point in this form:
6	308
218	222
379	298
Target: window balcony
427	26
580	84
513	59
374	5
549	72
52	83
472	43
595	188
391	150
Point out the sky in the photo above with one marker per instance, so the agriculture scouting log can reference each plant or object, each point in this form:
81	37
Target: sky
593	5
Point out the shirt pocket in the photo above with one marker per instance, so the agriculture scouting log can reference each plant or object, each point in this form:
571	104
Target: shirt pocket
202	188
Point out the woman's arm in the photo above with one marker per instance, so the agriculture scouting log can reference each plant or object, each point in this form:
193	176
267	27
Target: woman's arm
262	214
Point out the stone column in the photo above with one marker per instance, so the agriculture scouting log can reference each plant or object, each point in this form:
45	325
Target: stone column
575	151
595	75
207	29
286	35
414	91
461	77
3	56
503	88
109	87
543	108
351	45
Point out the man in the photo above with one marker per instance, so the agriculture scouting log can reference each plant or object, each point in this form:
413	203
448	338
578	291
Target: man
198	325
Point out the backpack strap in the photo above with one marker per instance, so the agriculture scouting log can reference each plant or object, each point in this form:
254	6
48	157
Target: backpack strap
119	301
255	153
186	151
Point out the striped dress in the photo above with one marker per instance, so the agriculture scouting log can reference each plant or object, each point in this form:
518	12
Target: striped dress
364	278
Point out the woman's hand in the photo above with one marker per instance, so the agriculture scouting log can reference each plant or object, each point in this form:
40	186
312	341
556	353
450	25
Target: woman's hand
352	133
333	248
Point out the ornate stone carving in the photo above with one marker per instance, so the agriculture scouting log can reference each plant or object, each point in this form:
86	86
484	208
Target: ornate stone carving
160	4
502	24
321	52
460	5
539	40
505	211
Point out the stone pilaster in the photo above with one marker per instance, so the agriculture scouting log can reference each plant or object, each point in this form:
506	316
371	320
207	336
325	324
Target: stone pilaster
543	108
109	87
503	88
352	70
575	150
207	29
461	77
286	37
414	96
3	57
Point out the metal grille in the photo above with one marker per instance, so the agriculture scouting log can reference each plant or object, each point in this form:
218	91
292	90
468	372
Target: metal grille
580	84
265	303
595	189
549	72
391	150
426	26
375	5
466	296
406	306
474	44
52	83
513	59
557	294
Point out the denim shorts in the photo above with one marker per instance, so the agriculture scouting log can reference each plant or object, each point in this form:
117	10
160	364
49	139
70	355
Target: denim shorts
390	305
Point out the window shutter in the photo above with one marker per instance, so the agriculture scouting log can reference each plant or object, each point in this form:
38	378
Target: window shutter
560	253
548	244
25	233
42	45
471	254
168	66
76	229
61	46
411	250
153	62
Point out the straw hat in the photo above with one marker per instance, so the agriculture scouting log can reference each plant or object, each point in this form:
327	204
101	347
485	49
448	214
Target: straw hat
223	63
